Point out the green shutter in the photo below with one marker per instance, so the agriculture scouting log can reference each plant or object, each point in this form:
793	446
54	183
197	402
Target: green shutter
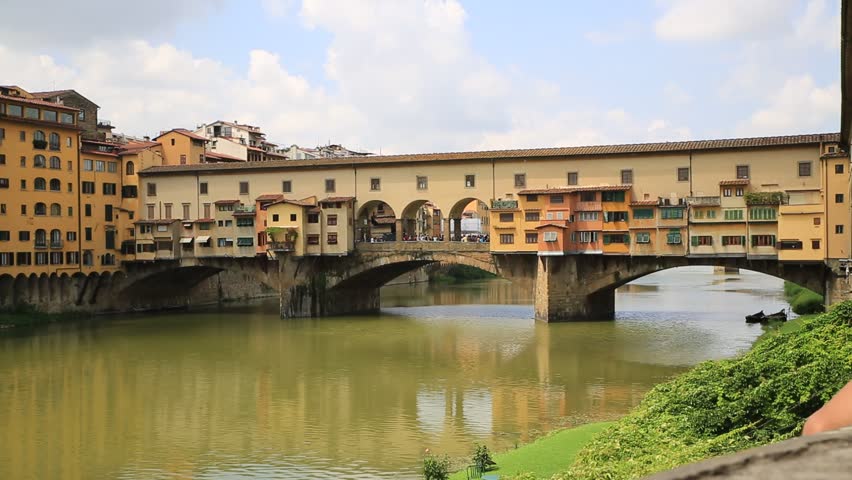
743	242
627	238
772	240
694	241
606	239
754	240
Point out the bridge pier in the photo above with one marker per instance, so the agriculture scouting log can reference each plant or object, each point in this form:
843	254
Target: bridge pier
563	293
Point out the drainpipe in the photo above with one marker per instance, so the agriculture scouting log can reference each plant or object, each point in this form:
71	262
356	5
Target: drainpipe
79	206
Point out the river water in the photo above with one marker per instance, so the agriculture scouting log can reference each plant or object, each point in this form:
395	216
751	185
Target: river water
239	393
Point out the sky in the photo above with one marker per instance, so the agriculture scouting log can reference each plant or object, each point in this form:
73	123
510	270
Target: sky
406	76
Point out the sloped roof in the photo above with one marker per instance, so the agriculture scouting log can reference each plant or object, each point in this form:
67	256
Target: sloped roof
583	188
184	132
60	93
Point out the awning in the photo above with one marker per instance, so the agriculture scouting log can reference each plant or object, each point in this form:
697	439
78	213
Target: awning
202	239
185	239
144	241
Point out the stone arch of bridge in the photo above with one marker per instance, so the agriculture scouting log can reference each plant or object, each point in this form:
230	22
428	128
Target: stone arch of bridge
422	217
375	220
456	213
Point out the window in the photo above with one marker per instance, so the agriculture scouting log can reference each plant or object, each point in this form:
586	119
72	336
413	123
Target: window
838	198
41	258
70	165
88	187
671	213
532	216
805	169
532	198
739	191
313	239
507	217
55	163
612	196
2	159
626	177
275	217
761	213
790	245
422	183
129	169
838	168
726	192
14	110
31	112
66	118
610	238
587	237
185	215
588	196
683	174
245	222
23	209
557	199
71	212
573	178
615	216
293	217
673	238
150	211
182	158
88	165
40	209
71	236
733	240
39	161
817	221
2	209
331	220
206	210
68	142
112	167
4	236
2	134
168	207
40	238
244	188
507	238
109	189
40	184
763	240
54	140
520	180
202	188
23	184
152	189
838	229
469	181
72	258
87	210
7	259
742	171
100	165
531	237
329	185
24	258
56	185
815	244
332	239
55	210
224	242
287	186
314	218
245	242
702	241
643	237
733	214
4	183
643	213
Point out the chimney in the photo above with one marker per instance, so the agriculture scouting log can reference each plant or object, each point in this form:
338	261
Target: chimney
146	138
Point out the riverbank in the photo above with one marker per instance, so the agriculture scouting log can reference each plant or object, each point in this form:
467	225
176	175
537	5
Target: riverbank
545	456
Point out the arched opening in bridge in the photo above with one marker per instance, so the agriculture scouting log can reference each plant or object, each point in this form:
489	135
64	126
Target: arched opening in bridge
421	220
468	220
376	222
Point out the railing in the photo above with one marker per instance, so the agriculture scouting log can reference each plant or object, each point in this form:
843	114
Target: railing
704	201
56	244
504	204
245	209
40	244
39	144
587	207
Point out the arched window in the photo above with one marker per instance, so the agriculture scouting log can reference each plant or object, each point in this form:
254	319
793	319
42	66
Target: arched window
40	209
38	161
38	135
55	210
55	185
55	163
54	141
88	258
129	169
40	238
40	184
55	238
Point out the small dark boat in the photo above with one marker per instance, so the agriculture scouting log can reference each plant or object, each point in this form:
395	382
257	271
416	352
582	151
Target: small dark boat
756	317
777	317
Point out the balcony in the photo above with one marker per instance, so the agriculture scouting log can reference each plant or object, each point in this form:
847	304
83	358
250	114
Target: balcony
704	201
244	209
587	207
56	244
40	244
39	144
504	204
766	198
281	246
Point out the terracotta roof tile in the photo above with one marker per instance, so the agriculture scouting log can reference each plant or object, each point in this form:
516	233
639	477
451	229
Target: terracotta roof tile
301	203
739	181
587	151
584	188
43	103
637	203
205	220
184	132
551	224
269	196
336	199
223	157
225	202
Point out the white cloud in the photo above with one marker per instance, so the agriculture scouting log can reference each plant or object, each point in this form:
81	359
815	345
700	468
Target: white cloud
278	8
715	20
675	94
818	26
799	106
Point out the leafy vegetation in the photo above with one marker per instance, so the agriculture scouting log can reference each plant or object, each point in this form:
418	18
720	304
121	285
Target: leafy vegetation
482	458
721	407
436	468
802	300
766	198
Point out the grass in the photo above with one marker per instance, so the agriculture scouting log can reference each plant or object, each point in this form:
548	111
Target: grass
544	457
784	328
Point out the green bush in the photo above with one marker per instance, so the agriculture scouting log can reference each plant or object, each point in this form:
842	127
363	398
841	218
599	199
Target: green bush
807	302
482	458
436	468
721	407
791	290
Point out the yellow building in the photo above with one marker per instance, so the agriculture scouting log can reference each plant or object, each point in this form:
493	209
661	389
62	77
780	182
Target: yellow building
39	207
181	147
101	218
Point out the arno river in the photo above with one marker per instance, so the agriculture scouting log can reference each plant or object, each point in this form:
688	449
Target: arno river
239	393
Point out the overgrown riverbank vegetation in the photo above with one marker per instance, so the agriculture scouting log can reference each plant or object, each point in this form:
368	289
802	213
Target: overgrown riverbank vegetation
802	300
460	273
721	407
